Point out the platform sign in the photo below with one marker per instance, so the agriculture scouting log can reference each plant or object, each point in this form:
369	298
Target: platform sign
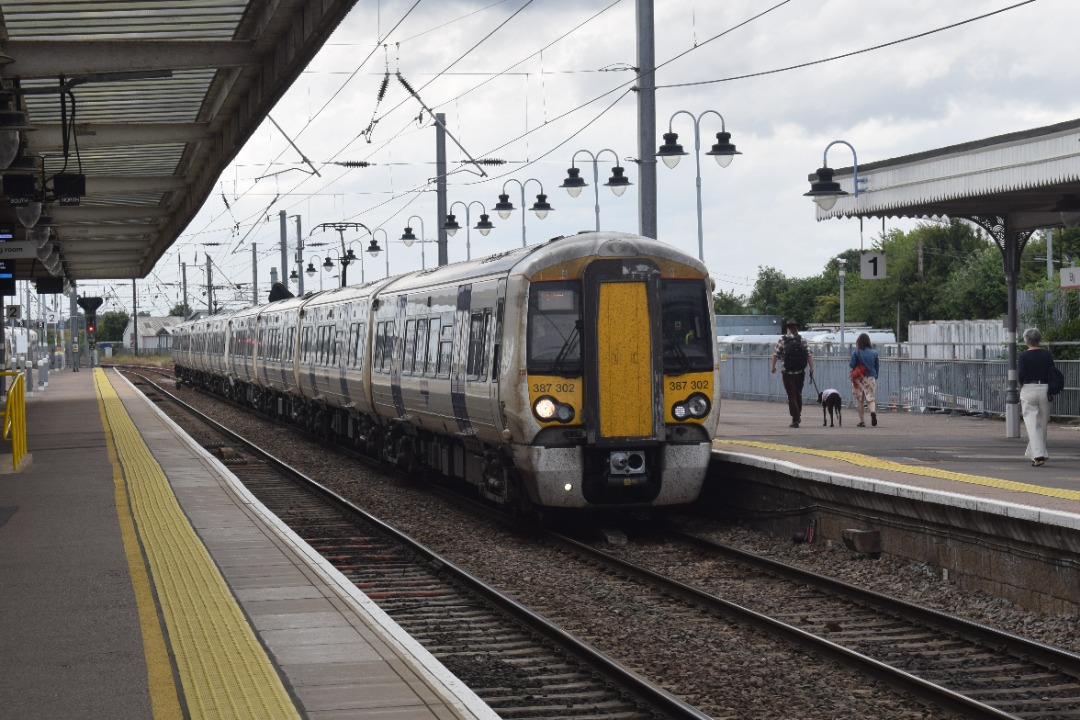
872	266
7	278
13	312
1070	278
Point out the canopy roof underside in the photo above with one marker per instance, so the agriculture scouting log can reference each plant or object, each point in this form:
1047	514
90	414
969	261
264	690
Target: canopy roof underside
149	100
1020	176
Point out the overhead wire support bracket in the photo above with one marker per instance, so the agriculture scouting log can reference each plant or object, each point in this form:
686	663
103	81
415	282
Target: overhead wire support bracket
405	84
294	147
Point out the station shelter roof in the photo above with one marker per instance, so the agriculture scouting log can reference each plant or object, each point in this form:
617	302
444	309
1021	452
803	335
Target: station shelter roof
148	101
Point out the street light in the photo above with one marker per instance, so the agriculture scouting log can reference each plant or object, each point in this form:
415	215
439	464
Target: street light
825	191
541	207
724	152
451	225
408	238
618	182
347	257
373	247
326	264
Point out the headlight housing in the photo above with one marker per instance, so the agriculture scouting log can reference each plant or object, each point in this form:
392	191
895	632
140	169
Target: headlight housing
548	409
694	407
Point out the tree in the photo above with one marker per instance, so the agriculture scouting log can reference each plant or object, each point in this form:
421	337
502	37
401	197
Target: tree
111	326
725	303
180	310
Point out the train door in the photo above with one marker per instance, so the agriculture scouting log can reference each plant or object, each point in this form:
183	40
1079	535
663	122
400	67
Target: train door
494	395
623	379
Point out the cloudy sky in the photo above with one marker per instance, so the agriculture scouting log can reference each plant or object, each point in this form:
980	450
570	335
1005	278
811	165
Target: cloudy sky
532	82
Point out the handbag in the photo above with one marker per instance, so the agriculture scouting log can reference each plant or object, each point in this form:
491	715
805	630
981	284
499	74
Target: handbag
1056	382
859	371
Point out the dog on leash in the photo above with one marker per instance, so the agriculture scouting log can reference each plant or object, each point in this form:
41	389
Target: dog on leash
830	403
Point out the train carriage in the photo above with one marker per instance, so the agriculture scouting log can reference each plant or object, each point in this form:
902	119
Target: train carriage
581	372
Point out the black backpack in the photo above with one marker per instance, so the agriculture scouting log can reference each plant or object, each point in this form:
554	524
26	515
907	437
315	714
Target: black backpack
1057	382
796	355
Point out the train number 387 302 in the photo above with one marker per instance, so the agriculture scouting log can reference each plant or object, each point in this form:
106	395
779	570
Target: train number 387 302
692	384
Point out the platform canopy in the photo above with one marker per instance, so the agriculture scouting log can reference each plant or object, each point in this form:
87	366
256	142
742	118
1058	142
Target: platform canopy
136	108
1021	177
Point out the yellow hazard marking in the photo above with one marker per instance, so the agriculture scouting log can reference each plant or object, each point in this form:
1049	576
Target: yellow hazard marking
164	701
873	462
223	669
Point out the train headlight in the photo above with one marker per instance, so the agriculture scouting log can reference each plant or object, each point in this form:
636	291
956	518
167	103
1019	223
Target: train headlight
548	408
698	405
545	408
679	411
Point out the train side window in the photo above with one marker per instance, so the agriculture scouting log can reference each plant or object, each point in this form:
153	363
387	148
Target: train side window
431	369
446	350
380	345
476	367
409	353
305	345
420	360
391	340
497	340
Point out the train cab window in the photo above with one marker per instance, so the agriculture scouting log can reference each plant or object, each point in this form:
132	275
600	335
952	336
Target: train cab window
476	363
687	332
553	342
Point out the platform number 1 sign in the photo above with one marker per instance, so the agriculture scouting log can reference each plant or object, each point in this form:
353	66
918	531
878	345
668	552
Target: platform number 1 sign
872	266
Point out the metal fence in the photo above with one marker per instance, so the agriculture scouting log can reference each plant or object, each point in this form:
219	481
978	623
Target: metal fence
972	386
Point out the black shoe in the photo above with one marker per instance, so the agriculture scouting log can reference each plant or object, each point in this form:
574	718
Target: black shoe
873	419
794	424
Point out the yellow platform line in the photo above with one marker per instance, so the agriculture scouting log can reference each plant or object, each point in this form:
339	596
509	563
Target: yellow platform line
874	462
223	669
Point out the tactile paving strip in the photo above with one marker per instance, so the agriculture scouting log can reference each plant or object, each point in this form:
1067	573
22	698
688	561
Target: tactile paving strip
223	669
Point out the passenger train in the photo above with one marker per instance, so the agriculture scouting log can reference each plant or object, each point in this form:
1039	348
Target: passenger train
577	373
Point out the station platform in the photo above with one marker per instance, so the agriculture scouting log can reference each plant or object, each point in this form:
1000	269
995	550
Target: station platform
138	579
940	457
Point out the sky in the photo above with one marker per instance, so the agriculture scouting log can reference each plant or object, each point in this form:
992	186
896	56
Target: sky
538	83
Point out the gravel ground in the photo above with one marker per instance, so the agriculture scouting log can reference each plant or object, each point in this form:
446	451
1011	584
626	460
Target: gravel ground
738	675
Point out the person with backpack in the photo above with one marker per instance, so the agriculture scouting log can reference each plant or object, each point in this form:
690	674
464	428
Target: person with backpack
1033	370
795	356
864	372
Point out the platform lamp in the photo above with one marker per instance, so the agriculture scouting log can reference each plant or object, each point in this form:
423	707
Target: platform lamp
541	207
825	191
1069	207
671	152
12	125
574	183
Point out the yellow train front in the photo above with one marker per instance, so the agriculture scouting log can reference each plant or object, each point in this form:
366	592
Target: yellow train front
619	393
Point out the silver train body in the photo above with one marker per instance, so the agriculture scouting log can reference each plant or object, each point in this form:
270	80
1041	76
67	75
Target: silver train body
581	372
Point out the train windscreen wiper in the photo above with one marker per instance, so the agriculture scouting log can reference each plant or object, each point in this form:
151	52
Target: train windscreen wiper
680	356
564	353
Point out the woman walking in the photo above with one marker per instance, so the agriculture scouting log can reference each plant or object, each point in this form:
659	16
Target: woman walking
1033	373
864	373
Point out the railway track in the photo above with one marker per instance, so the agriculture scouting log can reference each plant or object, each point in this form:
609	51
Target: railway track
516	661
968	669
948	661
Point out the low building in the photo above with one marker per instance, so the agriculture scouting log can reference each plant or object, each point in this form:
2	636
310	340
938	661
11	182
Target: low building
154	333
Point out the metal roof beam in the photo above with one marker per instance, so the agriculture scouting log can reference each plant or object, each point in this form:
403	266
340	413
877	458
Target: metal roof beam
49	136
69	214
73	59
121	184
83	231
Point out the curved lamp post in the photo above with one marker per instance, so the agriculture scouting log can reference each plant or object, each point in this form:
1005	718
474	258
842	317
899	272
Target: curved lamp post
373	248
325	263
451	225
825	191
671	152
574	183
541	207
408	238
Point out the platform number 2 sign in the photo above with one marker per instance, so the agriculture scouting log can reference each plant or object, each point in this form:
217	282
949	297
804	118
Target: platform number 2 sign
872	266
